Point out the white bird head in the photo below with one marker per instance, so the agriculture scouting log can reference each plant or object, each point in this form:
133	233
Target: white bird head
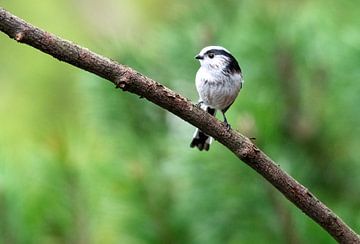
217	58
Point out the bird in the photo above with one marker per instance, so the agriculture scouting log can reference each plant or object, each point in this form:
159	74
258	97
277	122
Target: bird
218	82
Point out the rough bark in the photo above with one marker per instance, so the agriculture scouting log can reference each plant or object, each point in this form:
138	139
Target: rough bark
132	81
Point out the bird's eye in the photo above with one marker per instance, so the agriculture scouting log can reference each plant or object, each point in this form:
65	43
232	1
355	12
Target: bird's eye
211	55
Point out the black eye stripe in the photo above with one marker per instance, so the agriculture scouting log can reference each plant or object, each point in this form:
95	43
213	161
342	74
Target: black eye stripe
219	52
233	65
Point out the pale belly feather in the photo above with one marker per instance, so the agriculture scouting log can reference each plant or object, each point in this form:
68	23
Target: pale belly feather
217	90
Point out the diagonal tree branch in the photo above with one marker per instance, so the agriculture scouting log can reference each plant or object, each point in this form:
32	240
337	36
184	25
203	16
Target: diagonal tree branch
132	81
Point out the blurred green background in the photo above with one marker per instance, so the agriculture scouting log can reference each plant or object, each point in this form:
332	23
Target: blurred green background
81	162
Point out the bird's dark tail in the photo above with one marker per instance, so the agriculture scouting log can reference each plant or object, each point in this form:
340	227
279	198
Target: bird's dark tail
200	139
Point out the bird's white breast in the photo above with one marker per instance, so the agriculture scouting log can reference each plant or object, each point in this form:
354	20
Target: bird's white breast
217	89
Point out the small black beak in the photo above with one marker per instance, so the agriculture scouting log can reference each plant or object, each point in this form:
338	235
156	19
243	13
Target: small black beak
199	57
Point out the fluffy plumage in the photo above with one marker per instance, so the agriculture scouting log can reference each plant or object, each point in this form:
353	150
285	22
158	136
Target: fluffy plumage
218	82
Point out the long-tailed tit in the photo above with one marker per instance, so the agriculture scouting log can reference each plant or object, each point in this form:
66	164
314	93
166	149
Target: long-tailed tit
218	82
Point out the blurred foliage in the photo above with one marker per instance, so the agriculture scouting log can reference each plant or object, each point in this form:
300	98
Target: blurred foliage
81	162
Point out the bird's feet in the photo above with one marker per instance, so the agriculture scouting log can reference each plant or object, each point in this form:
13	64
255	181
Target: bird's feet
198	105
227	125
